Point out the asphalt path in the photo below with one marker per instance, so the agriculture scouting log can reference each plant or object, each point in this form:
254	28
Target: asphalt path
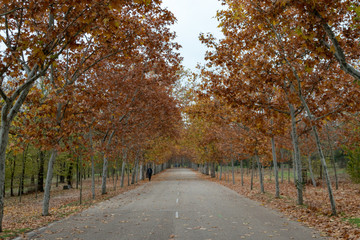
178	205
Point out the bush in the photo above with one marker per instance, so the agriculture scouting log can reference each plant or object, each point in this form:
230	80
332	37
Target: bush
353	165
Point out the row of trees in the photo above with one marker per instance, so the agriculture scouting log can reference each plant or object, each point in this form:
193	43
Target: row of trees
285	78
88	79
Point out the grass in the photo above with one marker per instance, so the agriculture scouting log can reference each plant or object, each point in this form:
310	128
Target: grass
355	221
13	233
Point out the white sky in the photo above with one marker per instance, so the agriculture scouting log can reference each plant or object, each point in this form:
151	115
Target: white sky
193	17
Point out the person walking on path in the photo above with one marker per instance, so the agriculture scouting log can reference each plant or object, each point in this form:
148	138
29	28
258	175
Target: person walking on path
149	173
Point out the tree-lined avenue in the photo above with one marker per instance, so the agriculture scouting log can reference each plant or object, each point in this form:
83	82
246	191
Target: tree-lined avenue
177	205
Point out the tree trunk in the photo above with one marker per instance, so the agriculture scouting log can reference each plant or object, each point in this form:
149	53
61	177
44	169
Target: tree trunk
288	172
242	172
40	183
45	210
105	164
69	176
276	174
22	177
81	181
12	174
252	174
92	165
232	170
212	170
141	172
260	173
221	167
77	173
332	158
282	172
297	159
104	175
311	171
327	177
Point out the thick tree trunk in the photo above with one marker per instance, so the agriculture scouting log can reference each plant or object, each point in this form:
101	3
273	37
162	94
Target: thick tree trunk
311	171
276	174
260	173
40	183
46	201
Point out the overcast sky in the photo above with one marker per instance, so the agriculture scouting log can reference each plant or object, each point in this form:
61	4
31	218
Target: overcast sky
193	17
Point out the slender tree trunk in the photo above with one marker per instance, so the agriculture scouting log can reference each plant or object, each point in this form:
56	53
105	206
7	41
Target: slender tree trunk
221	167
105	165
77	173
282	172
104	175
327	177
297	160
81	181
252	174
92	164
141	172
45	210
12	175
332	158
288	172
40	183
22	177
232	170
311	171
212	170
260	173
276	174
242	172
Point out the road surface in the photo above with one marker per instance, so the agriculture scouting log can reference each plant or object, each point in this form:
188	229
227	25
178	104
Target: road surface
178	205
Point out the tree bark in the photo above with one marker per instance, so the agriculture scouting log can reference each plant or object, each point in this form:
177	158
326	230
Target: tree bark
46	201
232	170
332	158
212	170
12	175
242	172
277	188
40	183
260	173
221	167
311	171
92	164
297	160
252	174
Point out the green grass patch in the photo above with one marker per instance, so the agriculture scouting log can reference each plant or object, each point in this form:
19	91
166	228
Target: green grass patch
13	233
355	221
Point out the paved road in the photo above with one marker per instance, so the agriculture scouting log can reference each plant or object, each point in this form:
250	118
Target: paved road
181	206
